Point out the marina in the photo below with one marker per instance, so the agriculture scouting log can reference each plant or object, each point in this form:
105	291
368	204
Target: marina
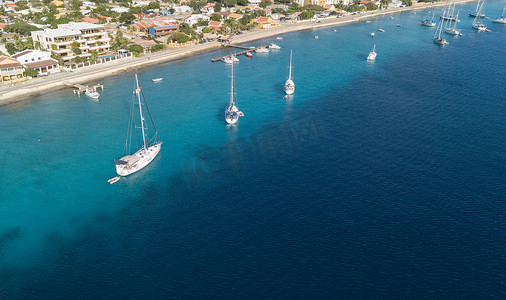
245	50
81	89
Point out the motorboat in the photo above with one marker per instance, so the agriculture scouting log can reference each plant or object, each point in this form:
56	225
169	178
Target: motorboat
274	46
157	79
92	93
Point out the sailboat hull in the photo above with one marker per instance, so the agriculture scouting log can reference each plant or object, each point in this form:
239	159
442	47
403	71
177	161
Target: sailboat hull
289	87
500	20
132	163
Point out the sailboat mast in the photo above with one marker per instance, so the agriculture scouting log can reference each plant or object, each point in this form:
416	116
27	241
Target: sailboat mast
290	72
232	86
140	111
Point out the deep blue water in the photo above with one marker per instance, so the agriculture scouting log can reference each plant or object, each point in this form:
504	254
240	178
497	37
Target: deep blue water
376	180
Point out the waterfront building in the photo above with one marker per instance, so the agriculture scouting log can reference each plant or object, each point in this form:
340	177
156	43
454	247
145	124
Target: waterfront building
89	37
40	61
11	70
194	19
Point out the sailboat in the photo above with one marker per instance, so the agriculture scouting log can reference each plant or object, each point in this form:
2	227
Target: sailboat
453	29
450	17
131	163
437	35
502	18
429	22
289	85
478	14
380	29
476	23
372	55
232	113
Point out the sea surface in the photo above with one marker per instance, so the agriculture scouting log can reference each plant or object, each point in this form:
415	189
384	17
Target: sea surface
376	180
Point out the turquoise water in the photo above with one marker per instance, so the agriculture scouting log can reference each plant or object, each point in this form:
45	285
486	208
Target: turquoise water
375	179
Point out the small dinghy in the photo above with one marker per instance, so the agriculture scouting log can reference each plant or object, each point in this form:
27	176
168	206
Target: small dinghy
114	179
157	79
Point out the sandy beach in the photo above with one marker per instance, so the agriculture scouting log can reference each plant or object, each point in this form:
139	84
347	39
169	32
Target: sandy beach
89	75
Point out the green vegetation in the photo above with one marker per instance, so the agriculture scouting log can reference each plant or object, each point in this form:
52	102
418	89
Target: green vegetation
20	27
126	17
29	72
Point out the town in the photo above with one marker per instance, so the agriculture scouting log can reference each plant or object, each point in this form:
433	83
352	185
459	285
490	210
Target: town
39	38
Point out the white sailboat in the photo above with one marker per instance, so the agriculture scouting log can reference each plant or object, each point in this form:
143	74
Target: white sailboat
453	29
478	13
502	18
451	11
476	23
232	113
372	55
437	35
289	85
429	22
131	163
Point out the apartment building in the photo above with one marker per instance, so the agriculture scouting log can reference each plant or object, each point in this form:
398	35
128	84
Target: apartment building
89	37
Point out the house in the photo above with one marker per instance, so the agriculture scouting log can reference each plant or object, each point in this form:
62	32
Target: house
40	61
163	30
58	3
2	26
235	16
105	18
11	70
329	7
182	9
90	20
216	25
223	14
263	22
194	19
120	10
208	8
144	43
89	37
254	2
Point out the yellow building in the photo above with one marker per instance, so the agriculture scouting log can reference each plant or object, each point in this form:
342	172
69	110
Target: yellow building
11	69
57	3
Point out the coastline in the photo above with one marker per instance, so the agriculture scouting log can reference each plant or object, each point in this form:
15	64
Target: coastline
25	90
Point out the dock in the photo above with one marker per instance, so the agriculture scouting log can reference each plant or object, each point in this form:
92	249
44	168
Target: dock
246	49
79	88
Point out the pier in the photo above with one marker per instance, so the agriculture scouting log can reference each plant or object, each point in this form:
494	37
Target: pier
246	49
79	88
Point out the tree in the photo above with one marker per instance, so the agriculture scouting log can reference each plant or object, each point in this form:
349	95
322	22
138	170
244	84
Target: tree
180	37
264	4
206	30
29	72
305	15
371	6
135	48
407	2
11	48
157	47
217	7
154	5
75	5
242	2
75	48
228	3
215	17
197	4
126	17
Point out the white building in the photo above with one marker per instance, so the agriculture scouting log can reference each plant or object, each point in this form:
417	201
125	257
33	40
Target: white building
182	9
120	9
40	61
194	19
257	2
89	37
